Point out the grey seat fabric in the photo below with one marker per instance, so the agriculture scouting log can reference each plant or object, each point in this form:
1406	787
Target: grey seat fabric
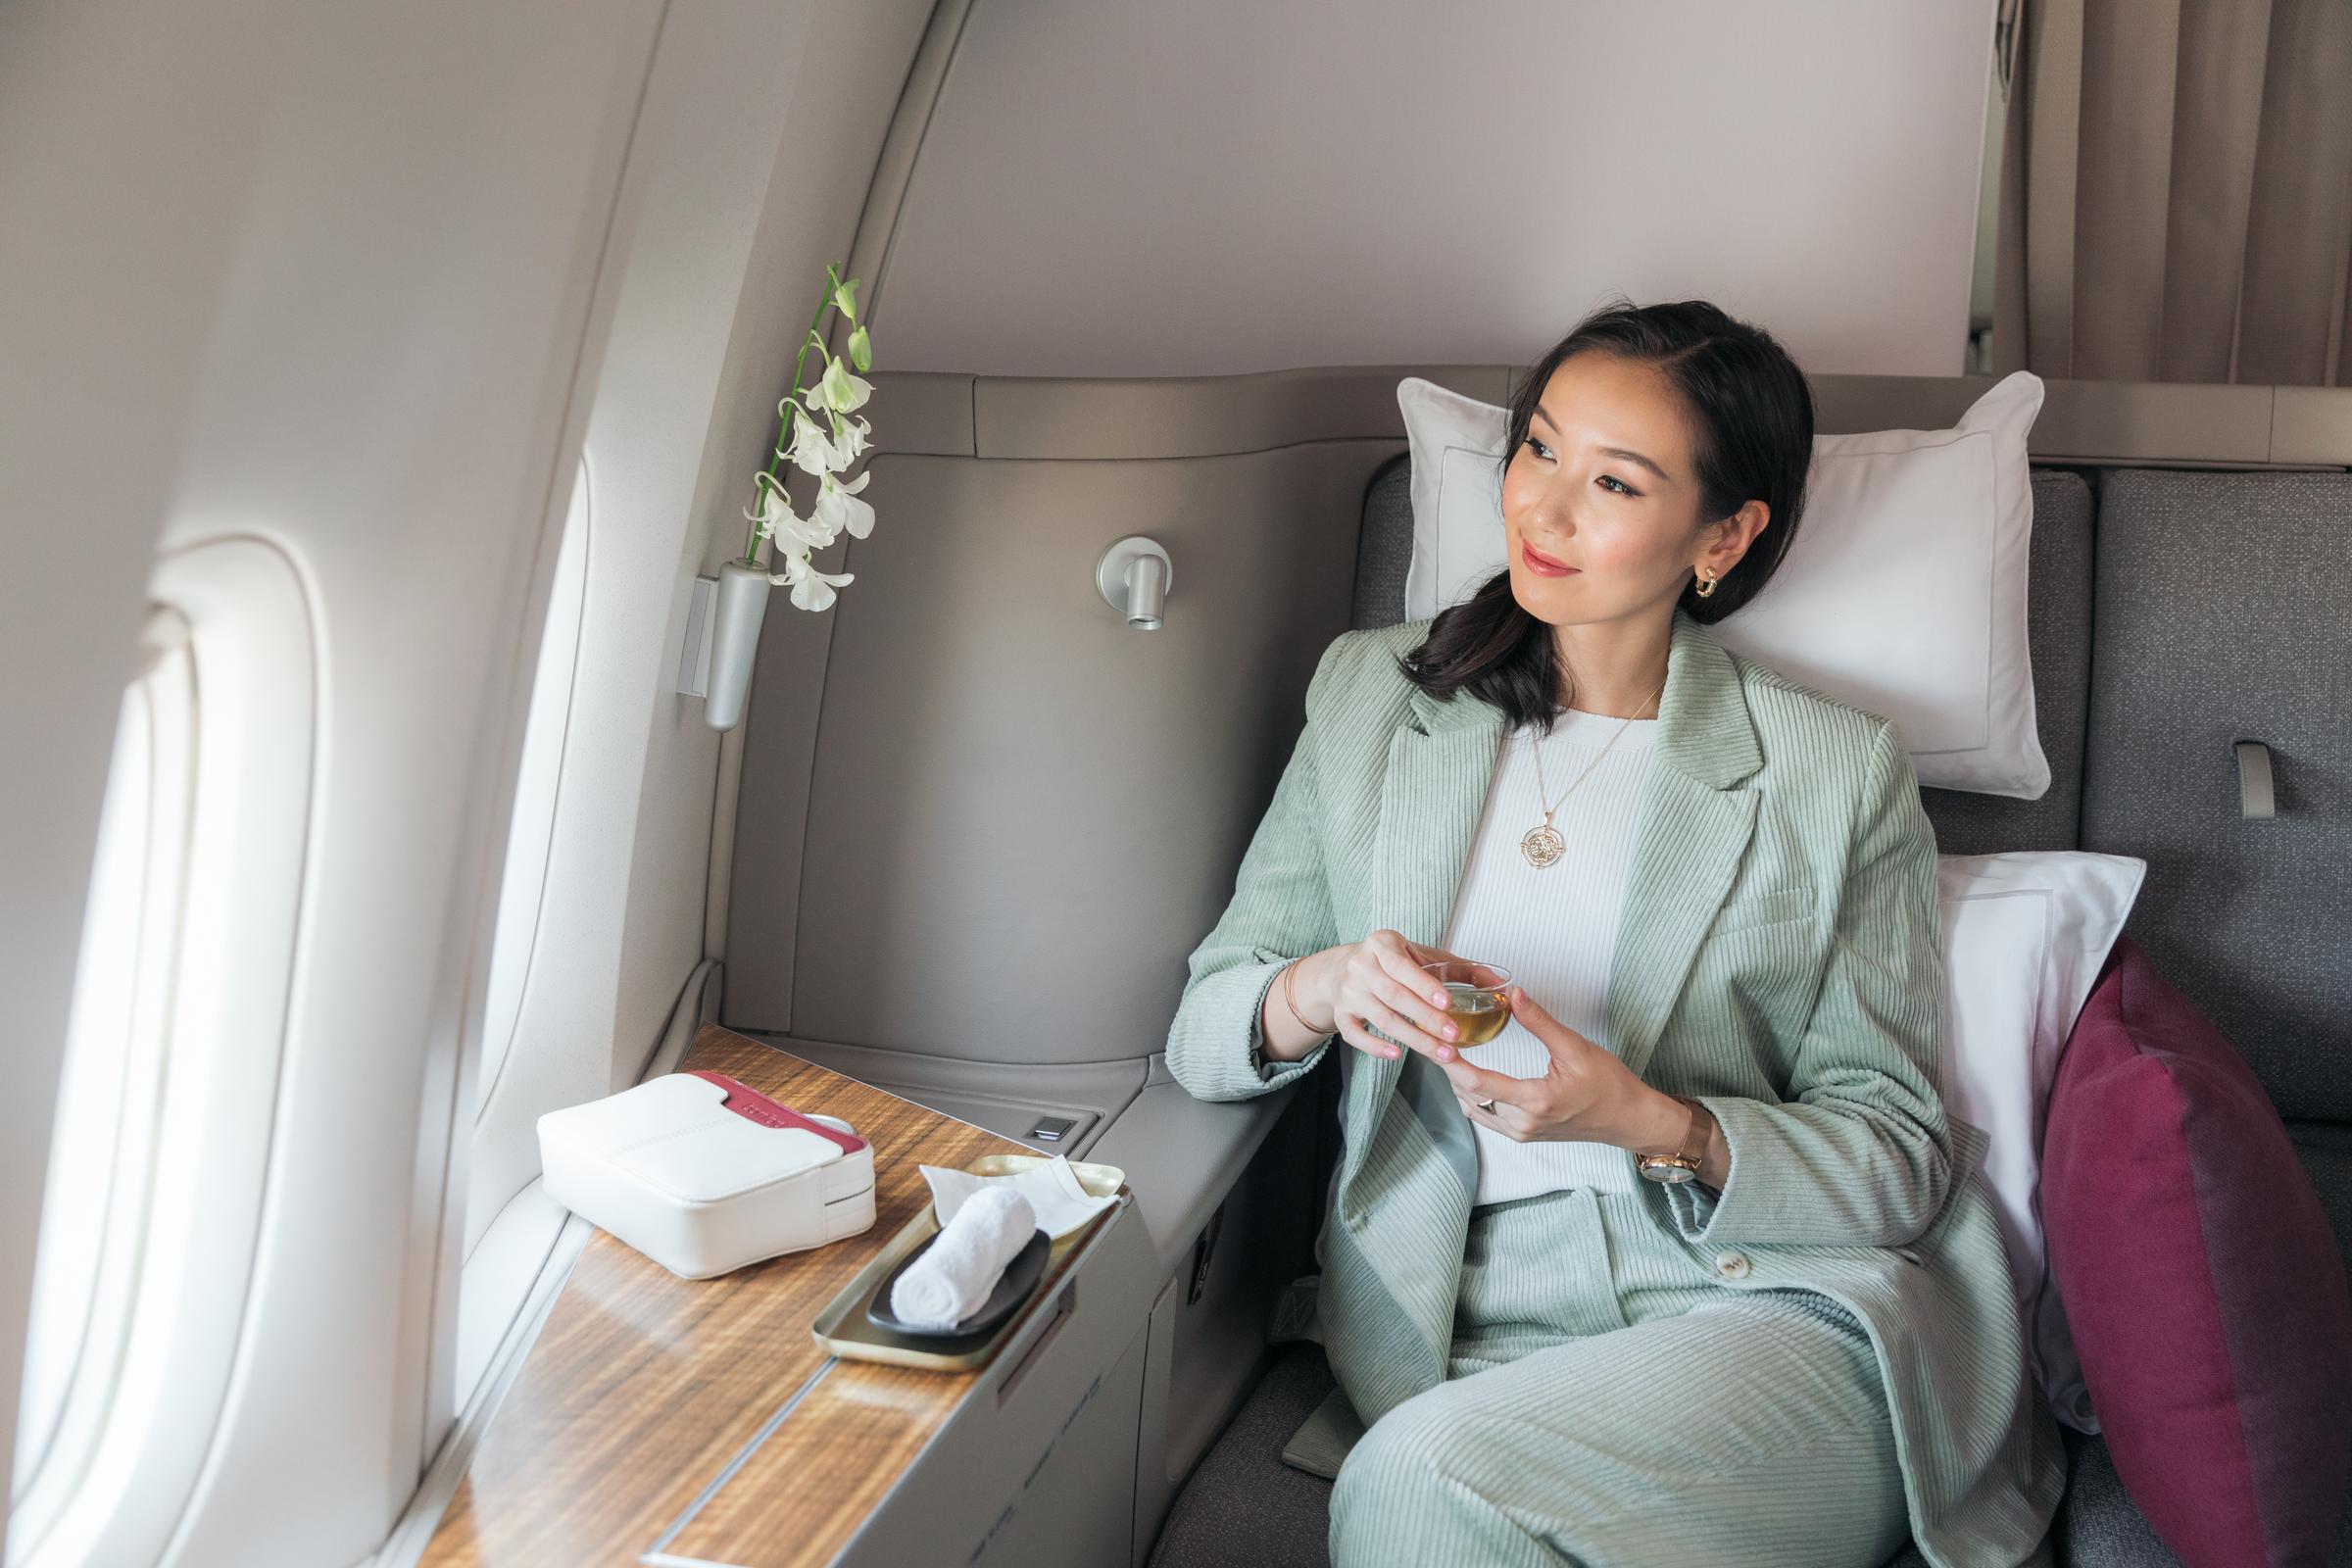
1384	550
2099	1526
2221	617
2250	919
2326	1150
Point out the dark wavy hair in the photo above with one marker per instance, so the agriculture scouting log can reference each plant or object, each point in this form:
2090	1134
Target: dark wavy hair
1751	426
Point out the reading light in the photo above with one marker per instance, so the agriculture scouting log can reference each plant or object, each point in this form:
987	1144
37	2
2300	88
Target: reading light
1134	576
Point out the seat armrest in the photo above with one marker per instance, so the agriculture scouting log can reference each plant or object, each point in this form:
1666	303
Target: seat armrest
1182	1155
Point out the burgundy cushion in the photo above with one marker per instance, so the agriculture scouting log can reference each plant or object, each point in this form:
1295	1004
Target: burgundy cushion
2204	1287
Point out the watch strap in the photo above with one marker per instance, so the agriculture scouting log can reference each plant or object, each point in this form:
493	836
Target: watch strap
1694	1148
1701	1135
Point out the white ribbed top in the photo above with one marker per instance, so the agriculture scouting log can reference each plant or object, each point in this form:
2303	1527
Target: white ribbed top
1555	929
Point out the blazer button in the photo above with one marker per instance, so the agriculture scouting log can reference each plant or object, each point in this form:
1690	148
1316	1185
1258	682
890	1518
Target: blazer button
1731	1265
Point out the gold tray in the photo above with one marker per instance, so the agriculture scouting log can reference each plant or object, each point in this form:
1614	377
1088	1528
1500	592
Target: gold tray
844	1329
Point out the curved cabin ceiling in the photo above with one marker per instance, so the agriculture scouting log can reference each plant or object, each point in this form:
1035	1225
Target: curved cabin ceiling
1238	185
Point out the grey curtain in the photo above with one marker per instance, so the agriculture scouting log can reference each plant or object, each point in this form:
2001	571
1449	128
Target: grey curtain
2176	190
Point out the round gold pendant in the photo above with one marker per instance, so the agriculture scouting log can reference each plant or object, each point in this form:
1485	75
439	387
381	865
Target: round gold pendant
1542	846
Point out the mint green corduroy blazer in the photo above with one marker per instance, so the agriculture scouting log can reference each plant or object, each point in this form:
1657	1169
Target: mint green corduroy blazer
1777	958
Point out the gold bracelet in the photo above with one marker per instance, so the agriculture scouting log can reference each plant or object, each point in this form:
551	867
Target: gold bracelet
1290	1000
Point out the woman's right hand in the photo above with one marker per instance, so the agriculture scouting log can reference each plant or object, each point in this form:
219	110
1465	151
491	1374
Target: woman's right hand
1379	981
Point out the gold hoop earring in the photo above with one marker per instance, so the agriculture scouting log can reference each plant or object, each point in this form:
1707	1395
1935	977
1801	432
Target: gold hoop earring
1706	585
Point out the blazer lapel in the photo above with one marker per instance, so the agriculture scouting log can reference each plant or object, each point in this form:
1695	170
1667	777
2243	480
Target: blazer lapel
1440	761
1690	835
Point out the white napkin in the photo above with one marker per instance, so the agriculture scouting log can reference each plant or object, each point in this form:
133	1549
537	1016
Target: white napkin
956	1274
1061	1204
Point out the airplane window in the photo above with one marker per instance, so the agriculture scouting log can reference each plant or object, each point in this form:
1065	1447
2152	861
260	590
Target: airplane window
174	1054
109	1096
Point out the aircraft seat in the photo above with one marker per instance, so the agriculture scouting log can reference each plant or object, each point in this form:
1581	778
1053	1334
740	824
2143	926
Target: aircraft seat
2172	612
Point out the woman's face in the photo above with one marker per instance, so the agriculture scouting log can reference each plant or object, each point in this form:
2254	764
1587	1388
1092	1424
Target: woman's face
1599	503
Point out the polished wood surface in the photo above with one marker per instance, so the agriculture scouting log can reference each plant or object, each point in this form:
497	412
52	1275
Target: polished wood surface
824	1470
643	1387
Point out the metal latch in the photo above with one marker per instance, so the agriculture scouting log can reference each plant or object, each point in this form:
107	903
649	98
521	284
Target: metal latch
1053	1129
2256	796
1202	1250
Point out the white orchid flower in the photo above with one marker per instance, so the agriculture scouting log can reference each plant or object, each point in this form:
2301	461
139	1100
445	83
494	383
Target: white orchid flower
813	400
774	509
852	442
817	398
847	443
815	590
838	507
811	589
763	520
812	532
843	392
813	451
811	410
777	520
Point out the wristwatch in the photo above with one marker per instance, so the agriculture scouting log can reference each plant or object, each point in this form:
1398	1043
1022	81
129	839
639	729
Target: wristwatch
1682	1164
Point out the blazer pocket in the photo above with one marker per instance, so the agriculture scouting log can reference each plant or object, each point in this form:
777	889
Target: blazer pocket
1763	908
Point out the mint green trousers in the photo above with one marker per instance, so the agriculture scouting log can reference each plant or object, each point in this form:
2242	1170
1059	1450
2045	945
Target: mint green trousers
1609	1404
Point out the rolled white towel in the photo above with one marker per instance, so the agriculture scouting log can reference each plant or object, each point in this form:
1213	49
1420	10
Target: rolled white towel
956	1274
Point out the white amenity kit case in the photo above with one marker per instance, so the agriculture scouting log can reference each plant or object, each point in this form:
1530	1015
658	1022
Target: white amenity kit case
701	1189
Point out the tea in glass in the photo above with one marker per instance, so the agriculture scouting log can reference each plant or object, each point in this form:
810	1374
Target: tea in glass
1474	999
1478	1013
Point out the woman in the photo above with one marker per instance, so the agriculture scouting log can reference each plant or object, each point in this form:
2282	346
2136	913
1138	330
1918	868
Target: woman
1566	1350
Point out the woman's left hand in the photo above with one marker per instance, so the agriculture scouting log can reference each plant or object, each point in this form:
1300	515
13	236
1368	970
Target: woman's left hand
1586	1092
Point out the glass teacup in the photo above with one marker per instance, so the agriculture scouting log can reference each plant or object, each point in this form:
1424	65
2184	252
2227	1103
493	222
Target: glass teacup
1475	998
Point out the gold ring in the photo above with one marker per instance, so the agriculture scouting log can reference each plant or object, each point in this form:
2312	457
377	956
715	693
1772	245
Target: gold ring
1486	1106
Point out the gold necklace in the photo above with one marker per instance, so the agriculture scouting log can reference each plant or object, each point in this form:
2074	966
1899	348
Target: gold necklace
1542	845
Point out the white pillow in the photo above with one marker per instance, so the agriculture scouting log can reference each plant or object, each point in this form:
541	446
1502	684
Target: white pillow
1903	592
2024	935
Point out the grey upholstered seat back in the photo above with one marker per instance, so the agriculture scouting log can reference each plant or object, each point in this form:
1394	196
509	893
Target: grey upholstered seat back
2058	616
2221	617
1384	548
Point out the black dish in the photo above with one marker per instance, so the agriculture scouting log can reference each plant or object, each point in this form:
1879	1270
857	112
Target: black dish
1020	1278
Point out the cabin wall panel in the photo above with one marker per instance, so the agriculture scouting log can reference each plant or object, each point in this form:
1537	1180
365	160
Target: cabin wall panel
1233	185
1023	815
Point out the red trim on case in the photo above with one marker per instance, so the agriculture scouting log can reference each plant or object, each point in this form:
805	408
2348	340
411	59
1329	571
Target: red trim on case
752	1105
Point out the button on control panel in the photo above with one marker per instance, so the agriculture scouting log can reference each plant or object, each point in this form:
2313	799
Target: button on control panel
1051	1129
